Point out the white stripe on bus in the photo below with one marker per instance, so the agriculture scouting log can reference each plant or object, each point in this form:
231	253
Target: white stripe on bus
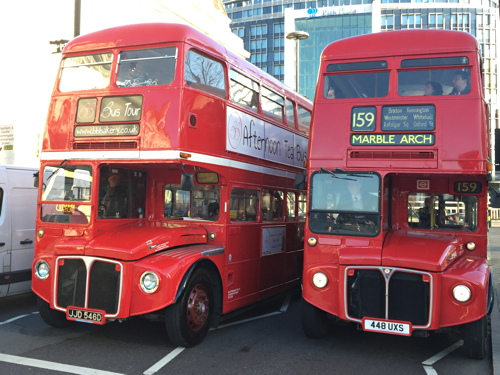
167	155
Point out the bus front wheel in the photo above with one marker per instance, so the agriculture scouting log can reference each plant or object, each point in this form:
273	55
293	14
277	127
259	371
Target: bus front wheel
315	322
52	317
475	336
188	320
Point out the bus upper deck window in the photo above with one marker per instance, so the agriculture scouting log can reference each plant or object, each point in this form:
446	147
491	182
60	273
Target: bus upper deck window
441	79
272	104
204	74
290	114
148	67
365	79
87	72
434	82
357	85
244	91
304	119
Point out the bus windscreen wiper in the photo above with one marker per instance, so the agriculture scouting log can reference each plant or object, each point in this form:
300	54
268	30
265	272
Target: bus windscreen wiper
57	169
324	170
350	174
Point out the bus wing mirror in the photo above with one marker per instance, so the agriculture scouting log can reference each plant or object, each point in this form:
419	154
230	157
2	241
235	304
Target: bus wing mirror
36	179
187	181
300	181
495	200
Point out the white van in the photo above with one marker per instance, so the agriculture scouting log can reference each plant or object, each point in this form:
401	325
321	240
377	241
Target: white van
17	228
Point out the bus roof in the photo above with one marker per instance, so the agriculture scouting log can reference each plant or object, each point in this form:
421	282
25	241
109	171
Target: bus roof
393	43
136	35
146	34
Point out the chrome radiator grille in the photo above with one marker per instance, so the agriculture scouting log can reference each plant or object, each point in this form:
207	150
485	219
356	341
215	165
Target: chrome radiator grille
389	293
89	283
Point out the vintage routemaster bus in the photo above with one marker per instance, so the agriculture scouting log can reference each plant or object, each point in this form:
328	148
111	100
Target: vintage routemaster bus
399	162
169	168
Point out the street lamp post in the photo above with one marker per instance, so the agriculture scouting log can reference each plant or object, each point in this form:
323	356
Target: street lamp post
297	35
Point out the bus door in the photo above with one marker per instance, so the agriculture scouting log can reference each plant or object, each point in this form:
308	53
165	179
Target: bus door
295	216
243	246
273	244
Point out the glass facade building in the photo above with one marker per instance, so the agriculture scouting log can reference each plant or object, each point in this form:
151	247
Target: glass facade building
264	24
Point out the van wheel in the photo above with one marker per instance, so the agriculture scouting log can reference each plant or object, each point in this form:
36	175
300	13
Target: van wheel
475	336
52	317
315	322
188	320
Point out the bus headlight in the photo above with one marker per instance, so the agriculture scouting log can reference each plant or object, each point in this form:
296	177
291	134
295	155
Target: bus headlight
320	280
462	293
42	269
149	282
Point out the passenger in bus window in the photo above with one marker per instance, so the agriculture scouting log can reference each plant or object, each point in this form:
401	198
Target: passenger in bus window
433	88
424	214
333	91
114	201
330	93
461	83
251	212
213	211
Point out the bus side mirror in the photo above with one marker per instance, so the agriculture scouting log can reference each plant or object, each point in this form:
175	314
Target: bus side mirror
300	181
187	181
36	179
494	198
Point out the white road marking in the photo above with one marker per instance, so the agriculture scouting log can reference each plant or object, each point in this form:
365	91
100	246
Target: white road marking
16	318
46	365
161	363
429	370
165	360
87	371
286	303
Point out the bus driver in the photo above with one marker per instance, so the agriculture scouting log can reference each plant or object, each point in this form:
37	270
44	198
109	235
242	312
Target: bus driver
114	201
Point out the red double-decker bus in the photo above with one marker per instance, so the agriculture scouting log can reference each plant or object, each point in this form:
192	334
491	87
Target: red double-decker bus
171	173
399	162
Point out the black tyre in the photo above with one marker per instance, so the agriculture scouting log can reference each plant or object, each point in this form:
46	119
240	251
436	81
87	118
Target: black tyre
475	336
52	317
315	322
188	320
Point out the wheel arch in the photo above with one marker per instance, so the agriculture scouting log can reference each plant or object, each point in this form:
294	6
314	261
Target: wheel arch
216	281
491	295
